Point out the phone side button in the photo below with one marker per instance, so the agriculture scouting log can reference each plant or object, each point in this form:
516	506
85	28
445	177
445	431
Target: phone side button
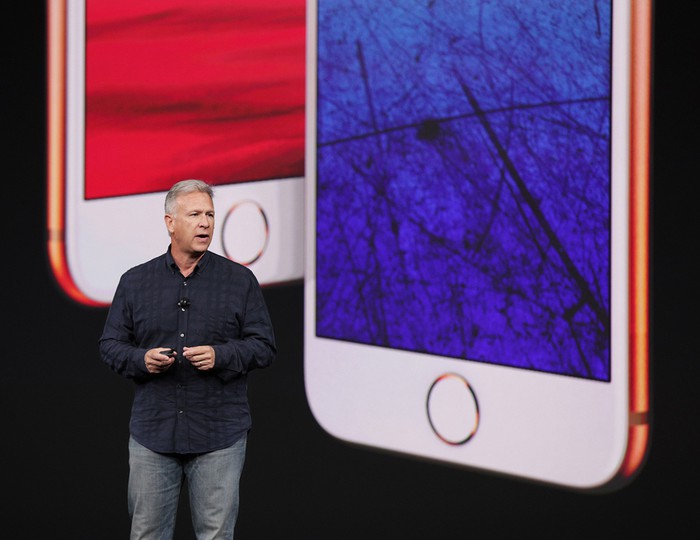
452	408
245	232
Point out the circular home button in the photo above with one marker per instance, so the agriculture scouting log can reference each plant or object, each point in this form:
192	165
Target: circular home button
453	410
245	232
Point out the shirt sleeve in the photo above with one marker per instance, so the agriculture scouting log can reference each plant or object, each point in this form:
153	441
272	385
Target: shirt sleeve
255	347
117	342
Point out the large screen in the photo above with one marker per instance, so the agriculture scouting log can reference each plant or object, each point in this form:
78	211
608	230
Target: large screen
180	89
463	180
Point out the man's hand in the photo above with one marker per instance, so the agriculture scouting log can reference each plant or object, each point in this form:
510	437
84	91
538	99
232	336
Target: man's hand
159	359
201	357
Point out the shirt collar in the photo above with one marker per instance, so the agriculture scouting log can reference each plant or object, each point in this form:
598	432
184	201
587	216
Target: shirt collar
201	265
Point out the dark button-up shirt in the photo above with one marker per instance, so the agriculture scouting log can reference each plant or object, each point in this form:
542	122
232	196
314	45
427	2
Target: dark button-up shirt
185	410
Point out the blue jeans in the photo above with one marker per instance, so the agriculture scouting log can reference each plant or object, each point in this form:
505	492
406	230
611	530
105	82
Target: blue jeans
155	481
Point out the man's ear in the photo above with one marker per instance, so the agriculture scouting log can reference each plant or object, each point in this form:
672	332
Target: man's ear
169	223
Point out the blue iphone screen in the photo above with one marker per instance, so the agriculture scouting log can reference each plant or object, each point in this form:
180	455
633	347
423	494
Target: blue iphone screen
463	180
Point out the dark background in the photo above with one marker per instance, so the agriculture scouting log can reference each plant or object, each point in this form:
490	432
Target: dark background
64	414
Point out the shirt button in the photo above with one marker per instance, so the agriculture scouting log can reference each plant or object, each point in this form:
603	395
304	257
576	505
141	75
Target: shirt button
182	335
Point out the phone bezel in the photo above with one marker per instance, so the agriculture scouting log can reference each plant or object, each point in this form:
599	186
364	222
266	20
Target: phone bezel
92	242
578	433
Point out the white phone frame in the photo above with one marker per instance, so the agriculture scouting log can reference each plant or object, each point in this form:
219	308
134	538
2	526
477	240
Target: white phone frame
102	238
539	426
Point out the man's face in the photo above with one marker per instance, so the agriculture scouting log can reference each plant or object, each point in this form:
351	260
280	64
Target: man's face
192	225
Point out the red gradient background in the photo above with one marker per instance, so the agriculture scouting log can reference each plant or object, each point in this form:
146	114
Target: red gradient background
176	89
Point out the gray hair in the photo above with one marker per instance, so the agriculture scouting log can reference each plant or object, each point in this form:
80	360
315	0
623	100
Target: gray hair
182	188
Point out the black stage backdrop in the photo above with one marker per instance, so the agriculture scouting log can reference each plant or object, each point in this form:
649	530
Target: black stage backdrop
64	414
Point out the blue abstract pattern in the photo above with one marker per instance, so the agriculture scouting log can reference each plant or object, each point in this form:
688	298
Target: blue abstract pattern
463	179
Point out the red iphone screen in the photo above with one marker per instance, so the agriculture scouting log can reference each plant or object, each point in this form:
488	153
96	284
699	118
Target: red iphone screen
178	89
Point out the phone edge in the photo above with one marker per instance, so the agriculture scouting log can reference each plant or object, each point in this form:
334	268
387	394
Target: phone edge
56	144
640	204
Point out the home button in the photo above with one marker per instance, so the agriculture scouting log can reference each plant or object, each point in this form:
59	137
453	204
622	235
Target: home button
245	232
453	410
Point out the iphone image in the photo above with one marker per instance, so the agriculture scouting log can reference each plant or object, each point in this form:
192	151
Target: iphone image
144	94
476	283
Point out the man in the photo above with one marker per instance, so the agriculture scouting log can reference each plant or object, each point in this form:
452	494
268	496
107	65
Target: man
187	327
